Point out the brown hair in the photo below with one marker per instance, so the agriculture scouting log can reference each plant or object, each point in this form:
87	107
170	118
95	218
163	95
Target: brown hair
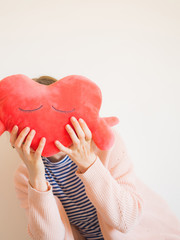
46	80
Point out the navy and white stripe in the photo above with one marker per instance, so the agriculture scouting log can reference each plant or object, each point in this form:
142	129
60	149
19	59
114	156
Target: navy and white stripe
69	188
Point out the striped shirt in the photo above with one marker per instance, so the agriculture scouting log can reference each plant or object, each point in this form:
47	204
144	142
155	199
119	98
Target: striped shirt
70	190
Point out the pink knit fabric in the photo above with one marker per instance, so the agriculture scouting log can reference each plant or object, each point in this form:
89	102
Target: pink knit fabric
126	208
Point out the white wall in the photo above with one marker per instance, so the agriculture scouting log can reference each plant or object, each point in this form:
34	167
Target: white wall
131	49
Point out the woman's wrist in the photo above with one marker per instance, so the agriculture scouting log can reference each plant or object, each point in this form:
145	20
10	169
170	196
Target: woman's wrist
39	183
86	165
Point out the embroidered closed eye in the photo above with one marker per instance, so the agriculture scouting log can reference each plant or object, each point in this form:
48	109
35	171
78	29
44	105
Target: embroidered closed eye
31	110
64	111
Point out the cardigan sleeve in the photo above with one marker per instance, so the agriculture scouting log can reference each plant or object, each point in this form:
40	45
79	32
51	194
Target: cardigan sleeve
112	188
44	221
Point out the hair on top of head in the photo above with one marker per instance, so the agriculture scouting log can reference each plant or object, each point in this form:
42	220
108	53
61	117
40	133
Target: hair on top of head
46	80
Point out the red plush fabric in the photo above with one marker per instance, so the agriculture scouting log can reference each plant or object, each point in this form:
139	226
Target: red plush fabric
48	108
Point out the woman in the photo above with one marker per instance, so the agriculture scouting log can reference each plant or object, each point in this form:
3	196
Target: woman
83	192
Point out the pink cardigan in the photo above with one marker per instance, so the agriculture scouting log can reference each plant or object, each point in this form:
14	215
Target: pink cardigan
126	208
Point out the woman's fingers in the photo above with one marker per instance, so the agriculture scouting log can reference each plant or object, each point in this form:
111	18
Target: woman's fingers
40	147
32	150
72	134
20	139
62	148
27	144
87	131
78	128
13	135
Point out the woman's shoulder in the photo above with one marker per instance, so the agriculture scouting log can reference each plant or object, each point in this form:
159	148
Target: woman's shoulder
119	145
118	154
118	139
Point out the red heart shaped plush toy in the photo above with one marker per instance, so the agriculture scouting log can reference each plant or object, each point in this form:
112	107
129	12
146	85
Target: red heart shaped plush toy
48	108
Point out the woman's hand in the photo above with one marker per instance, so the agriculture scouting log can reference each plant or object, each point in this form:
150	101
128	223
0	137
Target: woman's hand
81	151
31	158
